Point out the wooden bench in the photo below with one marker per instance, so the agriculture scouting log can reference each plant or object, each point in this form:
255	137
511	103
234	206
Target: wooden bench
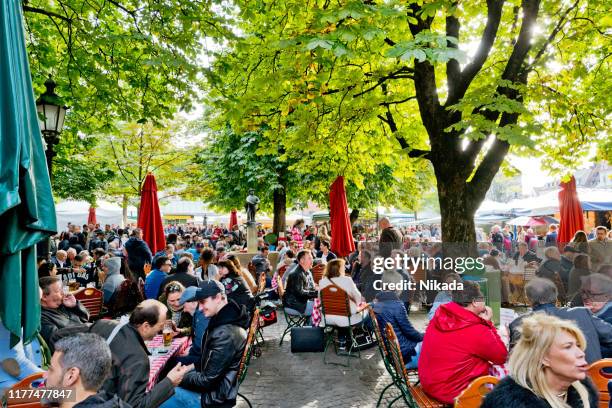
474	394
413	394
601	379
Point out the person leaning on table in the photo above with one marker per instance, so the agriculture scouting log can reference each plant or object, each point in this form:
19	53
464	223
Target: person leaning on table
130	372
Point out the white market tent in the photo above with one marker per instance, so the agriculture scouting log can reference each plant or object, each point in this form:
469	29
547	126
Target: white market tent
548	203
76	212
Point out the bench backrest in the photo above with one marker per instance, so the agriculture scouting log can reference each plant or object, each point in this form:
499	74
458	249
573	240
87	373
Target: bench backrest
92	299
474	394
248	349
395	355
317	273
600	379
334	301
26	384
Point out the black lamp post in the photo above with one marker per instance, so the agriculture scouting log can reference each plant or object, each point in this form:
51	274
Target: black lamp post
51	114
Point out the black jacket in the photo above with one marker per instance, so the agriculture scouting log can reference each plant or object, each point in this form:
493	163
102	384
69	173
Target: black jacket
237	290
102	400
390	239
130	372
52	320
298	291
509	394
597	332
138	253
222	348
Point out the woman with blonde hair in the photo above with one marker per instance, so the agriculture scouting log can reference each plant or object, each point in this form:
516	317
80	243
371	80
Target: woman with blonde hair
547	368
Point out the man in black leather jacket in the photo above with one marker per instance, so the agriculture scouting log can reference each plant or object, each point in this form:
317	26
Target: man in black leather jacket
300	285
222	348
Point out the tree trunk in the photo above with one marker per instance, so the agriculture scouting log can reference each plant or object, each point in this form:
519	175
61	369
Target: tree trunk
354	216
457	212
280	211
124	208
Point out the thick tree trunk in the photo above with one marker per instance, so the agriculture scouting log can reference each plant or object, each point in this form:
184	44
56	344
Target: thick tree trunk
280	211
457	212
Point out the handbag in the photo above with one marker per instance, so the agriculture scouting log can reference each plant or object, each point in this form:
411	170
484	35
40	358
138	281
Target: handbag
307	340
362	338
267	316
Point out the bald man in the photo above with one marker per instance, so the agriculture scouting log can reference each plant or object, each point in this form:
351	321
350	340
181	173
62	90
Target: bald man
390	238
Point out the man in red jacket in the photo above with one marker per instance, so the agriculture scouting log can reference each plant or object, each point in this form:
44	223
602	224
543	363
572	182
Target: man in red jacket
460	344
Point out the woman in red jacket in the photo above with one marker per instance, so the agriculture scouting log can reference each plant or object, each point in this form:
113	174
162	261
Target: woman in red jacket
460	344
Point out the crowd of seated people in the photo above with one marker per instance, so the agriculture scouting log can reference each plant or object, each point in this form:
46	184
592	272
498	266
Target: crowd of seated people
458	345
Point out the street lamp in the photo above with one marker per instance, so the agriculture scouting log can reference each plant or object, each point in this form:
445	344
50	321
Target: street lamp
51	116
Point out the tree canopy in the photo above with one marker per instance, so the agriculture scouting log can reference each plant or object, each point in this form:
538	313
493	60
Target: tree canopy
351	85
121	60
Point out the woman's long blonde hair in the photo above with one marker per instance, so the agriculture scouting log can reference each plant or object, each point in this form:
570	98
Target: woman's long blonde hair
538	333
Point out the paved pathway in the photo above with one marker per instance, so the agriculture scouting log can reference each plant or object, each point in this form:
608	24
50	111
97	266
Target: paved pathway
282	379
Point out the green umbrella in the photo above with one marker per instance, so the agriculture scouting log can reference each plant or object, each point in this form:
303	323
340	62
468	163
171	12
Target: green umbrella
27	212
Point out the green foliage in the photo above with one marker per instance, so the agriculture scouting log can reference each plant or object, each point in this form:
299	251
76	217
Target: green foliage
136	149
76	175
121	60
230	165
334	85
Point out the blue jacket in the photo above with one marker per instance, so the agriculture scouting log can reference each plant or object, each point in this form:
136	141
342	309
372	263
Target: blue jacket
389	309
153	282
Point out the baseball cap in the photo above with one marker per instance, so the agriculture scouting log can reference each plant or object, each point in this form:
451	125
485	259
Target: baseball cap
208	288
569	248
188	295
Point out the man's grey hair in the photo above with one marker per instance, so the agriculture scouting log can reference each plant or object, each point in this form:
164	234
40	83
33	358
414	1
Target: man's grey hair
90	354
552	253
599	282
541	291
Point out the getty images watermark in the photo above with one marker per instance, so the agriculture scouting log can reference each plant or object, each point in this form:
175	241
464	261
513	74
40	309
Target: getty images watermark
413	264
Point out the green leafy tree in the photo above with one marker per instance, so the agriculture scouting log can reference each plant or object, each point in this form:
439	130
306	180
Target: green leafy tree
121	60
231	165
457	84
136	150
77	175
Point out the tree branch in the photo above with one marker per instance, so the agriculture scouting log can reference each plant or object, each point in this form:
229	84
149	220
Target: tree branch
425	84
494	12
46	13
558	27
453	71
523	43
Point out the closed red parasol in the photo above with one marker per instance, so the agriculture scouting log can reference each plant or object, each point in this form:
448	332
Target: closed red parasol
149	216
91	218
570	210
233	219
342	243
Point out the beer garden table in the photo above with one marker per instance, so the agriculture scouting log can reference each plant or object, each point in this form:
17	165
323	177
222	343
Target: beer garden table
159	361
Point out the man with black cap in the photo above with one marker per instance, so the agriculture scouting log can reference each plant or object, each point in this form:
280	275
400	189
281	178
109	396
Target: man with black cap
215	384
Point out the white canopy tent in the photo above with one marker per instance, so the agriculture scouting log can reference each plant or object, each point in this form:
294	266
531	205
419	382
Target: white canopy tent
76	212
